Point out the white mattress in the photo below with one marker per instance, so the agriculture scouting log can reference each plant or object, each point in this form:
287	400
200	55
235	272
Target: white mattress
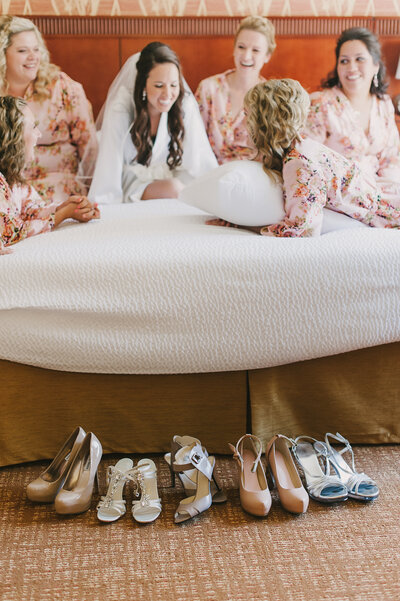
150	289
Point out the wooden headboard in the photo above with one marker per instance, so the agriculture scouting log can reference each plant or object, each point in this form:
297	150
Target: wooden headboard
93	49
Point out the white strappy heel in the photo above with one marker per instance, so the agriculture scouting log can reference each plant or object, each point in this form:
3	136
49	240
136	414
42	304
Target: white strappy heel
202	499
148	507
321	486
359	485
178	457
112	506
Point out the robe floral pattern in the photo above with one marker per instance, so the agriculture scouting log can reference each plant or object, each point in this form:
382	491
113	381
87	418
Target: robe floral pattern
68	144
227	133
22	213
333	121
314	177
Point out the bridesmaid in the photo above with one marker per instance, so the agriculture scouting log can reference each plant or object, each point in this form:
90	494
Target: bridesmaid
354	116
220	97
68	142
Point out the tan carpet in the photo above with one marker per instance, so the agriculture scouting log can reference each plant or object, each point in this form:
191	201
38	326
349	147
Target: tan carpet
343	552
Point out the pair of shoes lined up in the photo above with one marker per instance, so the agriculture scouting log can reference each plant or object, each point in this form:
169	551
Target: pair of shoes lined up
147	507
195	468
255	496
322	484
71	476
317	460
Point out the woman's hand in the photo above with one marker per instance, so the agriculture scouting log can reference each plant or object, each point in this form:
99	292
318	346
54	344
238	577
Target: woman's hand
83	209
77	207
250	228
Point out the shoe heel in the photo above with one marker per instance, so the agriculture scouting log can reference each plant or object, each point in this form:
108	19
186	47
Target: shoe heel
172	475
218	495
96	484
270	478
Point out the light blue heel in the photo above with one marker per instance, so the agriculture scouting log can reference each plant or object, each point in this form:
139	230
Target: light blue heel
321	486
359	485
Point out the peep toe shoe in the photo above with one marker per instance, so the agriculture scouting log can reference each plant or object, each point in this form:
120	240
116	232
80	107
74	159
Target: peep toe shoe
112	506
321	485
255	497
76	493
45	488
292	493
148	506
360	486
201	500
178	457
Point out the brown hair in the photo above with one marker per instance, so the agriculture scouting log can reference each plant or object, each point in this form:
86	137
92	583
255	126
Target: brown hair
153	54
373	46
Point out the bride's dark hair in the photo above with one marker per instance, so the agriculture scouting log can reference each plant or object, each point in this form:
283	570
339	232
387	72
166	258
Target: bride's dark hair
153	54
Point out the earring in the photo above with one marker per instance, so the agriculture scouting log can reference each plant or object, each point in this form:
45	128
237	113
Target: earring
144	95
375	80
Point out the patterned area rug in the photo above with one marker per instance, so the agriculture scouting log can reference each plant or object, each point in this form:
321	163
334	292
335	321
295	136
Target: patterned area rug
344	552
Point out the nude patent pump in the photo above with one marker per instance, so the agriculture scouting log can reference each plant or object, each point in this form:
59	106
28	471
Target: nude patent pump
293	496
45	488
76	493
255	497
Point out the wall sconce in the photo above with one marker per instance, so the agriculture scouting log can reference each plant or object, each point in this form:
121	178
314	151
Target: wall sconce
396	99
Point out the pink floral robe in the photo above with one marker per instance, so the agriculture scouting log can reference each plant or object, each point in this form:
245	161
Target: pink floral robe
334	122
315	176
68	137
22	213
227	133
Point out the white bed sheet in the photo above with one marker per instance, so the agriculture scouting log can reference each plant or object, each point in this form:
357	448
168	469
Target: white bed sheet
150	289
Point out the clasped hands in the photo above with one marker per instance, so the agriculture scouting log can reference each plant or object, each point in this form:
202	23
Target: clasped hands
77	207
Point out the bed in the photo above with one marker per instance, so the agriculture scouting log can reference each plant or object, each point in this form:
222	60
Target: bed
149	323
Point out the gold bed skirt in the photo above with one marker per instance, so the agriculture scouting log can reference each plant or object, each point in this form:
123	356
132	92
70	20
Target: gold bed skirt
355	393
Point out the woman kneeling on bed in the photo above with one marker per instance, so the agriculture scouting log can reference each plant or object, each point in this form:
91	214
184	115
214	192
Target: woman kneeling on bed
23	212
313	175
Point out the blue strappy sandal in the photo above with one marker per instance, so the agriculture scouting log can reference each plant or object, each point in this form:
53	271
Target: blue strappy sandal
359	485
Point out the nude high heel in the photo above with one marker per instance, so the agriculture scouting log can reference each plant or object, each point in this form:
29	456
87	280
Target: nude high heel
45	488
76	494
292	493
255	497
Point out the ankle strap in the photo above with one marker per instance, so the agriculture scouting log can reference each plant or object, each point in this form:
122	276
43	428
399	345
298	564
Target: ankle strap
197	459
256	443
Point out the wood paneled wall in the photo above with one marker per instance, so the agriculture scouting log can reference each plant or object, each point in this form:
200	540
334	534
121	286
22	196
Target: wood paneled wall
93	50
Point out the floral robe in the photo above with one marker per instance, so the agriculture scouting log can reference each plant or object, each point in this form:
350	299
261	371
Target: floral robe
67	148
334	122
314	177
227	133
22	213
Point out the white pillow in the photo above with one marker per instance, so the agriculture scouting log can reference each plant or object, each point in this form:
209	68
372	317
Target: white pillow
241	192
238	191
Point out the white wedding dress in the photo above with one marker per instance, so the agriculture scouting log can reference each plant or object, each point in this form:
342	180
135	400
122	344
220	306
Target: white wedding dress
117	176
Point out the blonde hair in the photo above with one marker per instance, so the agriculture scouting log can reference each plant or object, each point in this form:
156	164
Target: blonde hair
261	25
10	26
12	143
276	113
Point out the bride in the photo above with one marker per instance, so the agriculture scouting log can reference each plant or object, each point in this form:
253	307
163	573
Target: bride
152	139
